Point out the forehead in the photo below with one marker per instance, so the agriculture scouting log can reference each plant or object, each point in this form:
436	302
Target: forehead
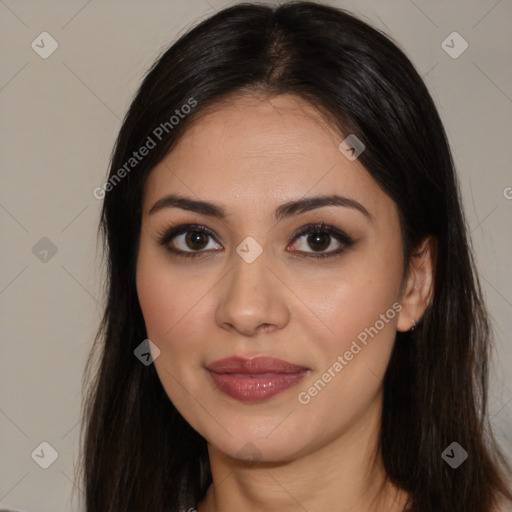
251	152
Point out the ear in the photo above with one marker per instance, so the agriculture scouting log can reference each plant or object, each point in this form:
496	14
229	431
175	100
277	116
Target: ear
419	285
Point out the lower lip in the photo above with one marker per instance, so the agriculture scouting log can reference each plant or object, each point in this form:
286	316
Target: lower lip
255	388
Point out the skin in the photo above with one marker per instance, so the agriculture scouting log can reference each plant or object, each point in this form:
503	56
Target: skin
251	155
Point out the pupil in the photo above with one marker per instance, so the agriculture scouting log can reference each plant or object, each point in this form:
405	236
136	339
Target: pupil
194	238
318	236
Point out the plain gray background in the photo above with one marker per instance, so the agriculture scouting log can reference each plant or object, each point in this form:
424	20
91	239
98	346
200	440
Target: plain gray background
60	117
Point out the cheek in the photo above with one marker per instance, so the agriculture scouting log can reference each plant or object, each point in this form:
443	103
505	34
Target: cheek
165	296
362	329
156	300
374	281
361	313
360	308
175	310
353	296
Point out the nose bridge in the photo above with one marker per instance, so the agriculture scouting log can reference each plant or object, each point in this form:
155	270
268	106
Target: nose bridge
249	283
252	294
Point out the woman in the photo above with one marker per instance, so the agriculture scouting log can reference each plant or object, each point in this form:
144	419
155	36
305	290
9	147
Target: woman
293	320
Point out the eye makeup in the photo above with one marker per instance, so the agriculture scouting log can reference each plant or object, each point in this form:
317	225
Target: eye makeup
315	231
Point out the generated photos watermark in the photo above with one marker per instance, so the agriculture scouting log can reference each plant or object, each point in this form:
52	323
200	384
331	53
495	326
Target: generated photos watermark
304	397
137	156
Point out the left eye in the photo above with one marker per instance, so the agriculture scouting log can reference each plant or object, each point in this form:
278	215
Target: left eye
319	236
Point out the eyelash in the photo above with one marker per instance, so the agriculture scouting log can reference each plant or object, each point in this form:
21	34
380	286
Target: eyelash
165	236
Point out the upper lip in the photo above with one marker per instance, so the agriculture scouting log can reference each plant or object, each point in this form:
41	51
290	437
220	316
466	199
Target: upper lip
254	366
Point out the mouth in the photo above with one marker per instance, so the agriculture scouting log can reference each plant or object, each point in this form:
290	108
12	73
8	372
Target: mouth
257	379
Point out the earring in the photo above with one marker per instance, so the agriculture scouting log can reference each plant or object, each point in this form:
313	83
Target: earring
413	325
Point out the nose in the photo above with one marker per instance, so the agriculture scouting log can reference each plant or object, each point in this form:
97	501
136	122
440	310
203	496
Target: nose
253	298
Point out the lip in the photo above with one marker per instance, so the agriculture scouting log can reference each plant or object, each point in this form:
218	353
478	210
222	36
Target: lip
257	379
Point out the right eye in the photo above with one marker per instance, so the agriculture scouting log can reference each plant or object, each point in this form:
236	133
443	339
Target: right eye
186	236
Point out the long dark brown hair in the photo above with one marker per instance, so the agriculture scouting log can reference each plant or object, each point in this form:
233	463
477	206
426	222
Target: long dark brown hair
138	452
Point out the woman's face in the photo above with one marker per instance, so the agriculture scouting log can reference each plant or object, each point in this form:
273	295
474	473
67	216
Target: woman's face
257	286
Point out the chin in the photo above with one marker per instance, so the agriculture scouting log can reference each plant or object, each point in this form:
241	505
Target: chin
260	451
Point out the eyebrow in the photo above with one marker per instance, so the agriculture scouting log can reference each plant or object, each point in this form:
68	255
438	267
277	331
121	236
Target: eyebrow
287	209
